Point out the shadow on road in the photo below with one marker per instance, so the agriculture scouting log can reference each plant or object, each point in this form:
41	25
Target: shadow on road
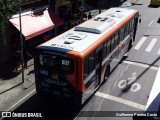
153	6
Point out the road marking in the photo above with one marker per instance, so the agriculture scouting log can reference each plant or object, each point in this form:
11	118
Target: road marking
150	23
153	100
135	87
130	82
158	52
9	109
141	65
150	46
120	100
122	84
139	44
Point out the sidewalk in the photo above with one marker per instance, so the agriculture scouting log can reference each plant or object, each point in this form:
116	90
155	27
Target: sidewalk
11	86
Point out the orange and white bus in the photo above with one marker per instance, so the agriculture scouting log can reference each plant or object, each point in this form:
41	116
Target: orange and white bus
71	66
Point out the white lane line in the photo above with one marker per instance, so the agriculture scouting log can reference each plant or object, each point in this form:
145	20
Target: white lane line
120	100
9	109
139	44
142	65
158	52
154	97
150	46
150	23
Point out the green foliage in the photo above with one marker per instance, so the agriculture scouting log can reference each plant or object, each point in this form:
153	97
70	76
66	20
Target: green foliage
7	9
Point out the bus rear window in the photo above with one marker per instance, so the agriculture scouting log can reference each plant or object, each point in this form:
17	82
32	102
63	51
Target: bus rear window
56	62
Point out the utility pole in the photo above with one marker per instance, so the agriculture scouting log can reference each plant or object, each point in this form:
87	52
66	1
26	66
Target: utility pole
100	5
21	43
21	39
82	11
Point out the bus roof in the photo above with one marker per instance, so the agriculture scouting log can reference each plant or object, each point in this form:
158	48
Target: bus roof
84	35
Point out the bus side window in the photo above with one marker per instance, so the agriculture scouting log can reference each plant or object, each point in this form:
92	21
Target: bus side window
91	62
121	33
127	25
104	50
112	43
119	37
131	25
108	46
116	39
125	30
86	67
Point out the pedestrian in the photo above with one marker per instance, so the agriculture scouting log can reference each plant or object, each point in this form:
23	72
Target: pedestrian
89	16
16	55
17	59
26	56
84	17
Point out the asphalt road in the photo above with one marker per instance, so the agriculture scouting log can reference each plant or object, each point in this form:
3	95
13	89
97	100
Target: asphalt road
146	48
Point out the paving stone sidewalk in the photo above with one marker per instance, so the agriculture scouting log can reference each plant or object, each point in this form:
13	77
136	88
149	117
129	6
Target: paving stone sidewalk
11	86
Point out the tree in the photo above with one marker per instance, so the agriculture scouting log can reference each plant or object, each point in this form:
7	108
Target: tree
7	9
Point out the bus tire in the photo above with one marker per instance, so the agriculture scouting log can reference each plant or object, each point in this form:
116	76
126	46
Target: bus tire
107	73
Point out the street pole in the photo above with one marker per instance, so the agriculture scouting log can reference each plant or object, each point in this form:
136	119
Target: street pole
100	5
82	12
21	42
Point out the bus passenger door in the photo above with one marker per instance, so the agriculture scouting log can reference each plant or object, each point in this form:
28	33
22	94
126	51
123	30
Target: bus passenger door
98	65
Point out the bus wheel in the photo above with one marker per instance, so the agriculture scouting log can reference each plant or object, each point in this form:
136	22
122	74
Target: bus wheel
107	73
130	45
